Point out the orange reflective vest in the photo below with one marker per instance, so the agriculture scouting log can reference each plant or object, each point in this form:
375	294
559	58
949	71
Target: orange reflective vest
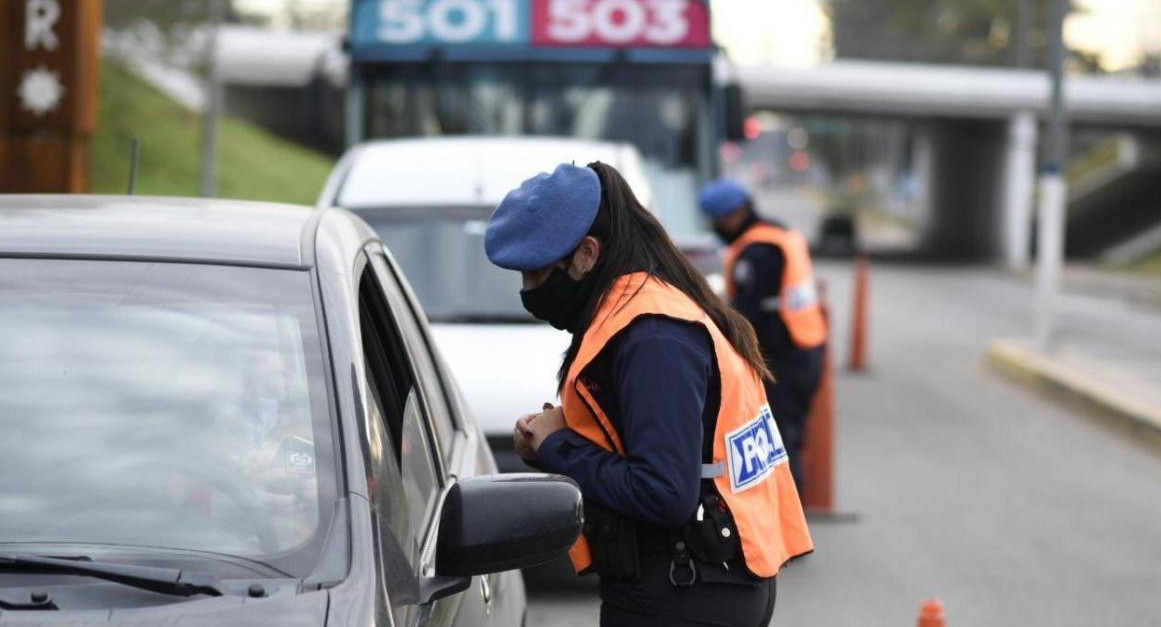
798	303
755	481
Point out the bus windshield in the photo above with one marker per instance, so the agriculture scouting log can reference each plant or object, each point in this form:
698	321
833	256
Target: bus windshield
661	109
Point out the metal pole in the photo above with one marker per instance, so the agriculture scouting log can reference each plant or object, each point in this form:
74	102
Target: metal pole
1020	34
213	104
354	108
133	153
1053	193
1019	183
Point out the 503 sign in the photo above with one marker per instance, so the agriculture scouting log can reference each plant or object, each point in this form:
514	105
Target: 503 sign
621	23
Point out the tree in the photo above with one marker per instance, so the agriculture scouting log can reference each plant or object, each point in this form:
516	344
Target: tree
167	16
973	32
168	28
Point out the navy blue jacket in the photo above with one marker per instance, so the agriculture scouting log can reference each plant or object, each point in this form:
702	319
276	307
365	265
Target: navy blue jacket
658	383
758	276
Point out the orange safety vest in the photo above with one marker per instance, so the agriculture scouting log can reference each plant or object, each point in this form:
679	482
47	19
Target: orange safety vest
798	303
755	481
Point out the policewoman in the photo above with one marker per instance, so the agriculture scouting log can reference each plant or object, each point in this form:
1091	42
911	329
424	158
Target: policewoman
690	508
769	279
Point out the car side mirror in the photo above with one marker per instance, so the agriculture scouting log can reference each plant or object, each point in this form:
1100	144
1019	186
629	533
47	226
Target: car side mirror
502	522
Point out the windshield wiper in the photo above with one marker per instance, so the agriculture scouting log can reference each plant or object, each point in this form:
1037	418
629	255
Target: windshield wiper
164	580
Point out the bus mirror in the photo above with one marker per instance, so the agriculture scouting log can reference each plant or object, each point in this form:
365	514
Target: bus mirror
735	130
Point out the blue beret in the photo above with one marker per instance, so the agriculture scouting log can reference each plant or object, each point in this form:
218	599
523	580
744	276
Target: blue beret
722	197
543	220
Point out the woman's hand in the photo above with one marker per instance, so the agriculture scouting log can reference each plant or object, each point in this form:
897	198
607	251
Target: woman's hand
532	429
522	437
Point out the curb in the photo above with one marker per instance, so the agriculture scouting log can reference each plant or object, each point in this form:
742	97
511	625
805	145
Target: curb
1022	364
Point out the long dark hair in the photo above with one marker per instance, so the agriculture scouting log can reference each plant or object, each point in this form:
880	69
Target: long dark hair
632	240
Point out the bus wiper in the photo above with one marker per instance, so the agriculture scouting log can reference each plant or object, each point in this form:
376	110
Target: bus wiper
163	580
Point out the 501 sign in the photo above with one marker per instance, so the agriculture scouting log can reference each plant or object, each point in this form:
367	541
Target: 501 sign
450	21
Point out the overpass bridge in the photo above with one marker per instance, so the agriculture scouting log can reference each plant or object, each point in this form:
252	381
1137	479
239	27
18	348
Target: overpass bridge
975	146
977	143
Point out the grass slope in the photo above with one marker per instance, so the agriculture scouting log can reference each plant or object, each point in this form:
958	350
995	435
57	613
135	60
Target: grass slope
252	163
1150	266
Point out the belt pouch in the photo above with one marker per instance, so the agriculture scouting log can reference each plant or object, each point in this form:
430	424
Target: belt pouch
612	542
712	535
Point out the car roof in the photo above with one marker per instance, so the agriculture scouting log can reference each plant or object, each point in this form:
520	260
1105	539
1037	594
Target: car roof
460	171
142	227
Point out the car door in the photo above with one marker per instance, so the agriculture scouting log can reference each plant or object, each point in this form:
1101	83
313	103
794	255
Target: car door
424	448
494	599
406	473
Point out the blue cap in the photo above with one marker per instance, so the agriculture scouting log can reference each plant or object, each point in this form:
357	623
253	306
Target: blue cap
722	197
543	220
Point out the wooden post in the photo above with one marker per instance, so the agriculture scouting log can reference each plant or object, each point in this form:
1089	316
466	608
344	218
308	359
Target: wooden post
49	78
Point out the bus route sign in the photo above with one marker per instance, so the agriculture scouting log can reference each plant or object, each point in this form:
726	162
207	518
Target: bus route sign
532	23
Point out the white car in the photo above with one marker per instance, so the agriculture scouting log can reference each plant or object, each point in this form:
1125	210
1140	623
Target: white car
430	199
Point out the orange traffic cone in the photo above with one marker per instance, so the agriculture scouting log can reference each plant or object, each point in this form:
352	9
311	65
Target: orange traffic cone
931	614
858	358
818	446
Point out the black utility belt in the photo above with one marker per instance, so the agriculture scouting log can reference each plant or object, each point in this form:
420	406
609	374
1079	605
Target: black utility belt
617	542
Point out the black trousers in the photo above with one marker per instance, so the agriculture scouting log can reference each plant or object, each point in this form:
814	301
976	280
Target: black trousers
798	374
717	598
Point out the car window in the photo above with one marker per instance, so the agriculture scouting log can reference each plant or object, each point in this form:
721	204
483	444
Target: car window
406	477
420	350
441	250
397	532
163	405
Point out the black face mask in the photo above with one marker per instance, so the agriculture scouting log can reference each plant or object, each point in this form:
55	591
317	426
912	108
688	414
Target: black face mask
559	299
725	235
730	236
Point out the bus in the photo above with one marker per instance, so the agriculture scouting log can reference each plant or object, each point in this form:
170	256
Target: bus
644	72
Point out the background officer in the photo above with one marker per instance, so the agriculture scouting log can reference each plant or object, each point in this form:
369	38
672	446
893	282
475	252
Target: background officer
690	507
770	280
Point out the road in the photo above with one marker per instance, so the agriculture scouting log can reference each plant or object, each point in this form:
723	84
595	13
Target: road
1014	509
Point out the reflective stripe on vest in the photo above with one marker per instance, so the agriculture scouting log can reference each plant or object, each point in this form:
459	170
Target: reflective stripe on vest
798	303
754	478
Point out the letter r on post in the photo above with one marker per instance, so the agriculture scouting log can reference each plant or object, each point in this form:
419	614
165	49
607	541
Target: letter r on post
40	16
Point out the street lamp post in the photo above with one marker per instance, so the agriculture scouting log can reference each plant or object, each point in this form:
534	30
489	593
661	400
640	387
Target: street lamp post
1053	193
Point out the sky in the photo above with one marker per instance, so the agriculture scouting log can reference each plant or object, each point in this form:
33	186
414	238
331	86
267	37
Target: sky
783	32
797	33
1120	30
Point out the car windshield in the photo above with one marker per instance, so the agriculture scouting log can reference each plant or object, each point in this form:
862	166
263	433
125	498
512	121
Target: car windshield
441	250
163	405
